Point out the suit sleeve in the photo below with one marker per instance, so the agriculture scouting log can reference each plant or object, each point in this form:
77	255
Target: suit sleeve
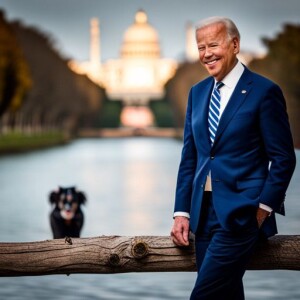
279	147
187	165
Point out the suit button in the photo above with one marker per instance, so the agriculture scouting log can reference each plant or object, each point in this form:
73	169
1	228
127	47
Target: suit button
212	157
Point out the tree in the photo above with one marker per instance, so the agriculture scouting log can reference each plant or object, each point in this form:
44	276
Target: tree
282	64
59	99
177	88
15	79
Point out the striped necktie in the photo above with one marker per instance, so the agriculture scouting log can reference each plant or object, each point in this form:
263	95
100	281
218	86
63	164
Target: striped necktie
214	111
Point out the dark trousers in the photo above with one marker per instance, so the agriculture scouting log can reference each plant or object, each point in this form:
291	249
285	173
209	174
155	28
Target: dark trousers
221	257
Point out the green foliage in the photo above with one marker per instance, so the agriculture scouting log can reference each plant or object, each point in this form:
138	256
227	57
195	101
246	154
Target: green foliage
17	141
282	63
177	89
15	79
163	113
58	97
110	114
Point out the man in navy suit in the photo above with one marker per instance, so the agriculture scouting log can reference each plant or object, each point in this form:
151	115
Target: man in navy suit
233	176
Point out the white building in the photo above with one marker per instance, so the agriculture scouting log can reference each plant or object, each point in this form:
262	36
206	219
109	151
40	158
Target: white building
139	74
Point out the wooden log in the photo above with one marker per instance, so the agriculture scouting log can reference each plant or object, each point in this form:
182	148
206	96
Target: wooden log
121	254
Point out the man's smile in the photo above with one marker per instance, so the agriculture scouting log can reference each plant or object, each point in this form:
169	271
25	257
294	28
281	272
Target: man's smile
211	62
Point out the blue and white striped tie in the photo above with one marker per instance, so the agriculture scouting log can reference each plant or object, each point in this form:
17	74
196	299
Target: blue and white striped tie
214	111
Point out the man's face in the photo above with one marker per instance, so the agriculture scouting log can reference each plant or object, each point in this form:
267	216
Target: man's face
217	52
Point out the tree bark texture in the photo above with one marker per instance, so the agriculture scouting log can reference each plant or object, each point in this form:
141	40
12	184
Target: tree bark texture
122	254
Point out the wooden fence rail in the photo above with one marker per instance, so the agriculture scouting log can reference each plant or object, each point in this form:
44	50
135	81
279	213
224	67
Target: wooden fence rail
121	254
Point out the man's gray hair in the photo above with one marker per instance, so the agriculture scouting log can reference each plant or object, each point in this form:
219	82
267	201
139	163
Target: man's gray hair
231	28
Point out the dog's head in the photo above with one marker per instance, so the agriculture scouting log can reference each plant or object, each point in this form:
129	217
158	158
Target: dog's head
67	200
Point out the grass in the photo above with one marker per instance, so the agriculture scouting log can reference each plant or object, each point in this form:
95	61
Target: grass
18	142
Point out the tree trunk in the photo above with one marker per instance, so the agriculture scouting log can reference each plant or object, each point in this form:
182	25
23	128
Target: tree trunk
119	254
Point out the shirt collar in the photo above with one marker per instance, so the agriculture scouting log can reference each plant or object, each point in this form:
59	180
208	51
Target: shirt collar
232	78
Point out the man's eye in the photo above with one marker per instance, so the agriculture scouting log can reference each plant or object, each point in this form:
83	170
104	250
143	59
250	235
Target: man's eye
201	48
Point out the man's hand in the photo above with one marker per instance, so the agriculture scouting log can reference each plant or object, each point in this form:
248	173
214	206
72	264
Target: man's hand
180	231
261	215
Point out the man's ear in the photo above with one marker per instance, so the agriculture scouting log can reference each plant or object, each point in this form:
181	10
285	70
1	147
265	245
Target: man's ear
236	45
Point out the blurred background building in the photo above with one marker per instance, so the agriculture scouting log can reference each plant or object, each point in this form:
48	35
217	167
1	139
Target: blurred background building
137	76
140	73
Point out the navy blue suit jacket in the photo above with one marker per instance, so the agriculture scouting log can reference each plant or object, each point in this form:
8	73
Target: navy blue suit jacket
253	131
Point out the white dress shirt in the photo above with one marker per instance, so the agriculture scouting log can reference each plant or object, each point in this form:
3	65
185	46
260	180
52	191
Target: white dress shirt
230	82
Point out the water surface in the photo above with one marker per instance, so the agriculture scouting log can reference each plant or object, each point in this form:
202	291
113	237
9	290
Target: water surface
130	186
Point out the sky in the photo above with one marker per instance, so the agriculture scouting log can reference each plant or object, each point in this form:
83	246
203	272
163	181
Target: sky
67	21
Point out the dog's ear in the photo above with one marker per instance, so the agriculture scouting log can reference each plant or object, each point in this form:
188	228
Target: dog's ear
54	197
81	197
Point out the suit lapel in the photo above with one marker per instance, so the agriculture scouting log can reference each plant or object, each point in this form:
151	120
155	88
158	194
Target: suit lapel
237	98
202	109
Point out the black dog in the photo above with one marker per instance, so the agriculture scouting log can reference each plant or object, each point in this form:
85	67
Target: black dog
66	219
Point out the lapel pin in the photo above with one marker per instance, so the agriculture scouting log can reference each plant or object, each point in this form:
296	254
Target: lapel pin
244	91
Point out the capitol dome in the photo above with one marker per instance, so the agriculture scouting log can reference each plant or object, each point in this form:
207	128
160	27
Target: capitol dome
140	39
